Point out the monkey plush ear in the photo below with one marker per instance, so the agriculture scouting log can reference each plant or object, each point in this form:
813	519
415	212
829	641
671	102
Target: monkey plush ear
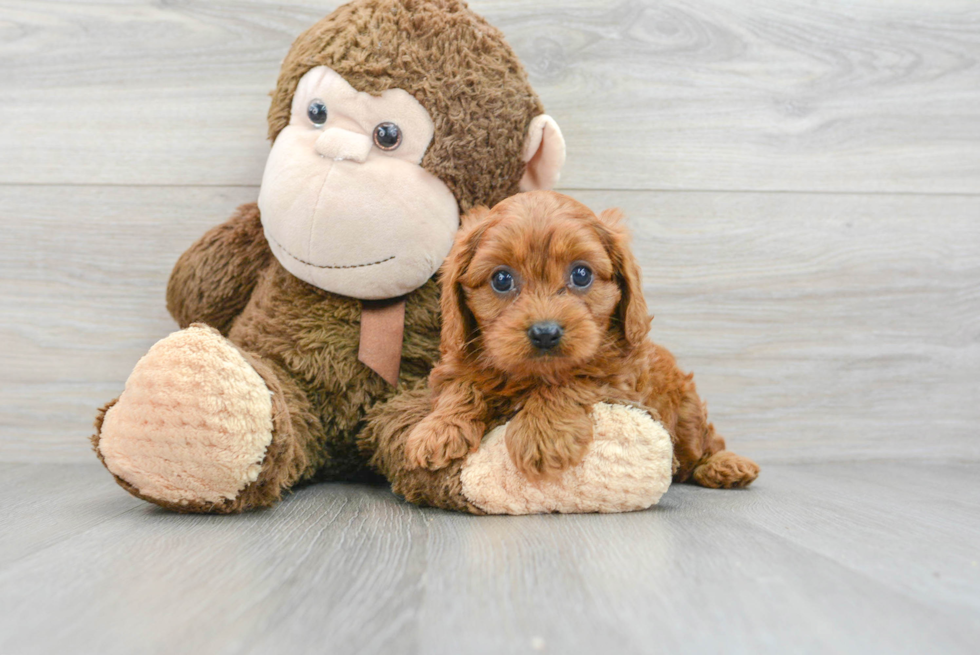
544	154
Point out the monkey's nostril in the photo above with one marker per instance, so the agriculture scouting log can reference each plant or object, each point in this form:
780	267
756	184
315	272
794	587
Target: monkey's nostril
545	335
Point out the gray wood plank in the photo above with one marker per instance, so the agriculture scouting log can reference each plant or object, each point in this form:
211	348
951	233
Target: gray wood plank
693	579
816	558
882	521
689	94
154	581
44	505
820	326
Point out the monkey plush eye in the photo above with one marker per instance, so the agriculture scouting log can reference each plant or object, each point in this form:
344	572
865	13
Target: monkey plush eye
581	276
387	136
317	112
502	280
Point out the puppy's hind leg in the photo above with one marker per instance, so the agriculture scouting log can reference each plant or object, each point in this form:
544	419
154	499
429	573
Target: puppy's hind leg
701	453
725	470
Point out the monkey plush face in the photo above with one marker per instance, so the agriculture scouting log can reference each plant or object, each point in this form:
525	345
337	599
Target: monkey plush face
345	204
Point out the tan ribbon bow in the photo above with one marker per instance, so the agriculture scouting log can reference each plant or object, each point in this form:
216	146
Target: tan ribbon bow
382	331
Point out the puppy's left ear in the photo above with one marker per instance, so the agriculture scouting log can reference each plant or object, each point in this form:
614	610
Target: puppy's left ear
632	310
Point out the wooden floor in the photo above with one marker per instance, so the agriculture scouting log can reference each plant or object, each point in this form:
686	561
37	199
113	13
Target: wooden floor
803	182
845	558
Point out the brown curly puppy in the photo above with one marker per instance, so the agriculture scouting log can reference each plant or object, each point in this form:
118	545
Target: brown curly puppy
543	316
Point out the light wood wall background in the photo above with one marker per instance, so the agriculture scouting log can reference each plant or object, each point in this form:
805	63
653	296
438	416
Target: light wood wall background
803	179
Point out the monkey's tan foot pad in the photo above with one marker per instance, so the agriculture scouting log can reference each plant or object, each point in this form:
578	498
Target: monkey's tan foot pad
628	467
192	425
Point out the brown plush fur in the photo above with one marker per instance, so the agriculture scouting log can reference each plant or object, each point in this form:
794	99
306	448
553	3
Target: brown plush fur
213	280
452	61
489	367
303	341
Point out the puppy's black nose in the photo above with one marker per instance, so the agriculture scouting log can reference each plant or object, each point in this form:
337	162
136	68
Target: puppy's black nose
545	335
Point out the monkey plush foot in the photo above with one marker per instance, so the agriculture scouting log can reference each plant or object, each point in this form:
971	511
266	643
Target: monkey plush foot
628	467
193	424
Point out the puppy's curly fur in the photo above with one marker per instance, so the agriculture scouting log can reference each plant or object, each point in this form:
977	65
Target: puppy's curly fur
541	247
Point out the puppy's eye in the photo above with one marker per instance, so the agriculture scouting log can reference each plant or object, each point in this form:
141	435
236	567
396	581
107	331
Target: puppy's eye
581	276
317	112
502	280
387	136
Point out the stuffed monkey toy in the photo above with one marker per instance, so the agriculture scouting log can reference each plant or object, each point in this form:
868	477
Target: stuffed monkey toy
310	319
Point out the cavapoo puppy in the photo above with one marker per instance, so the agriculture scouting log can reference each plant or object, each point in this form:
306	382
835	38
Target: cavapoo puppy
542	317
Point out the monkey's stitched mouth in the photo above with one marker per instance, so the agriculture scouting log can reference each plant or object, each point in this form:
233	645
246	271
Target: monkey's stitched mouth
303	261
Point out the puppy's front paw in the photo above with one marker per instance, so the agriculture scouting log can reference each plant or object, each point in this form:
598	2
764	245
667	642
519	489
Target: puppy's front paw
433	443
545	462
542	457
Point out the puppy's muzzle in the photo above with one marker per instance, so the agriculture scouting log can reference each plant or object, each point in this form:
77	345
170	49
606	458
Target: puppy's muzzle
545	335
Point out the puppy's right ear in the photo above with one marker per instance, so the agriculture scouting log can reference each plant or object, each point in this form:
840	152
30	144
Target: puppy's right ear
458	323
473	217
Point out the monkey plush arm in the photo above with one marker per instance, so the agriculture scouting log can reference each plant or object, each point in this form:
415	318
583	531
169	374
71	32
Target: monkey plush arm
213	280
